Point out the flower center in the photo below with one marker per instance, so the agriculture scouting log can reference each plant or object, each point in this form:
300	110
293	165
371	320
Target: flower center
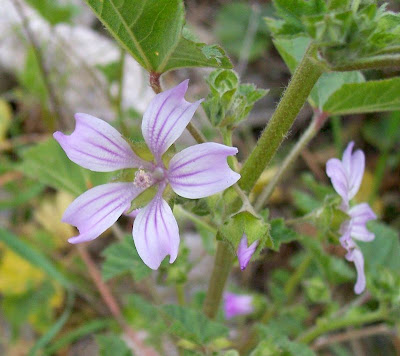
142	179
158	174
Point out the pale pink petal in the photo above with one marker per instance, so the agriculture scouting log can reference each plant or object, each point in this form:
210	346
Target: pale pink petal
155	232
97	146
356	256
202	170
360	214
245	253
356	172
96	210
166	118
235	304
346	158
337	173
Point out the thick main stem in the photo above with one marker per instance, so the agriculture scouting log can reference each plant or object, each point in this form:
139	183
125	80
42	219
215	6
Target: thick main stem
315	125
294	97
222	266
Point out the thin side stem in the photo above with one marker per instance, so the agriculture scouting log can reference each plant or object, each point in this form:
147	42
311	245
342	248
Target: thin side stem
379	174
112	304
222	267
51	92
315	125
337	133
248	39
377	62
336	324
180	293
296	277
195	219
352	335
294	97
196	133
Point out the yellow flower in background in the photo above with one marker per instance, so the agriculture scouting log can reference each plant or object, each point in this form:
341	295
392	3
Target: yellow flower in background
17	276
49	214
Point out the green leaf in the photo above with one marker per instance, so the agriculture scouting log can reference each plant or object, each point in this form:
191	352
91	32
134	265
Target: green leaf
384	250
151	31
233	22
48	163
121	258
33	256
281	234
383	133
145	315
30	77
52	11
329	84
334	269
292	50
193	325
278	339
88	328
56	327
371	96
112	344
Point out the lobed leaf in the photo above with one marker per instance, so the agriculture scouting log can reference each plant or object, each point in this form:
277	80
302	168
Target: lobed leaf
121	258
193	325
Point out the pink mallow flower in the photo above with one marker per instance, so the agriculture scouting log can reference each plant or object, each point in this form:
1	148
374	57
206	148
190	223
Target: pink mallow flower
235	304
346	176
195	172
245	252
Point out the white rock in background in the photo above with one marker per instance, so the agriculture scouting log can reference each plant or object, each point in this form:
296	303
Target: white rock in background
69	51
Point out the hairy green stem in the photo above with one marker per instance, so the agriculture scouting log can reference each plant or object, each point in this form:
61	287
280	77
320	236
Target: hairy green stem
315	125
339	323
222	267
294	97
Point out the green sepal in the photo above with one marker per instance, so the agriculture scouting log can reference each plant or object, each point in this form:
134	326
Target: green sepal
229	102
143	198
126	175
141	149
244	222
330	217
246	96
